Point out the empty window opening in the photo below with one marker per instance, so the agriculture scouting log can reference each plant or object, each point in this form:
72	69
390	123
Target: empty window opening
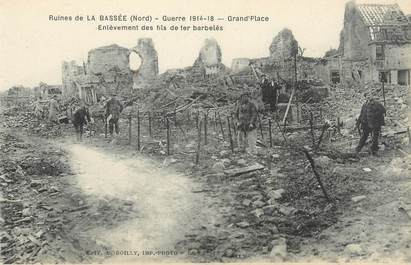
135	61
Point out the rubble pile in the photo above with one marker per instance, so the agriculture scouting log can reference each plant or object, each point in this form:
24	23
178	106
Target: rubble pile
44	217
347	102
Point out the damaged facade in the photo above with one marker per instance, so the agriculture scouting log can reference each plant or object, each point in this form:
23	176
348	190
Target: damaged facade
208	62
108	71
375	45
280	62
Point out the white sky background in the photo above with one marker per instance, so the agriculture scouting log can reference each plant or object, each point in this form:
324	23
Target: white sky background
32	47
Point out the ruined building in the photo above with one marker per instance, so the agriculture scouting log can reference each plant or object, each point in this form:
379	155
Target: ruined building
280	62
208	62
375	45
108	71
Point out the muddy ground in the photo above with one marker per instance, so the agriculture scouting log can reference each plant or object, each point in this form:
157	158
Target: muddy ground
64	201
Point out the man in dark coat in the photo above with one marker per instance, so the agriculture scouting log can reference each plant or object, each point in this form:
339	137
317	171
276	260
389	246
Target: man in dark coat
80	118
371	119
113	110
269	92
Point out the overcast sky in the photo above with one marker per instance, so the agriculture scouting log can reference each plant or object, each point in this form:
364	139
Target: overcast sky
32	47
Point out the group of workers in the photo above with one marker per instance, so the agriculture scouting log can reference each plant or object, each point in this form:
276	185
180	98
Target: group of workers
113	109
81	116
369	122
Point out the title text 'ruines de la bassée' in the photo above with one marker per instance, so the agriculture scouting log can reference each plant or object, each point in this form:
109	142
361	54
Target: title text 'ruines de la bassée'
165	18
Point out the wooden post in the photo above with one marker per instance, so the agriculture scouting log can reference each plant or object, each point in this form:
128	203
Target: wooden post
288	105
269	133
260	126
129	129
317	176
138	130
175	116
215	120
338	125
229	134
205	128
198	142
150	132
234	126
221	125
105	127
168	135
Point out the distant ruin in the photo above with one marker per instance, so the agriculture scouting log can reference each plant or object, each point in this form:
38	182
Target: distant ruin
108	71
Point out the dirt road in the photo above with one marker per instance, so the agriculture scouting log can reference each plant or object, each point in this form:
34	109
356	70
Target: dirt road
165	206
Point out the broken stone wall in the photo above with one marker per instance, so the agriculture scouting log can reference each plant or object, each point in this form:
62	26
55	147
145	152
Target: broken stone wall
281	47
70	73
355	35
104	59
148	70
208	62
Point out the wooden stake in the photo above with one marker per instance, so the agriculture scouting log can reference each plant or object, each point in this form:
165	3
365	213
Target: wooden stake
221	125
317	176
229	134
269	133
149	125
199	126
168	136
105	127
260	126
234	126
205	128
288	105
138	130
129	129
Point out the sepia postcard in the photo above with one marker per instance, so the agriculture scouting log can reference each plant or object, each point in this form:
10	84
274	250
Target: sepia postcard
230	131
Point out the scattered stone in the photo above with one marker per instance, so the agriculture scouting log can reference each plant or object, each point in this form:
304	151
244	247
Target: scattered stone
224	153
229	253
279	248
26	212
246	202
269	209
354	249
243	224
358	198
276	194
258	212
322	161
35	183
258	204
286	210
366	169
218	167
241	162
257	197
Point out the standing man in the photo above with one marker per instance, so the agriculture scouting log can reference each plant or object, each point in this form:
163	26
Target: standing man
246	115
371	119
269	91
38	110
80	118
113	110
53	109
